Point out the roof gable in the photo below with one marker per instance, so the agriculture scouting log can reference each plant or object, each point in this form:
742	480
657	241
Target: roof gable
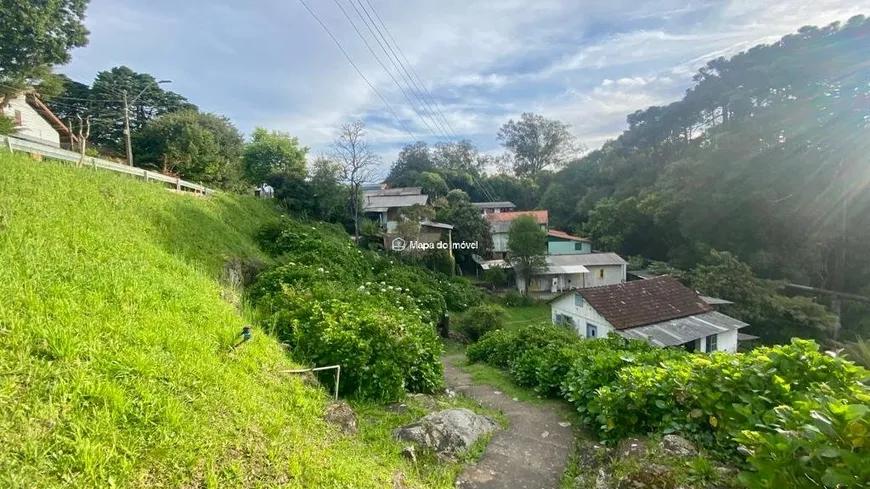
632	304
563	235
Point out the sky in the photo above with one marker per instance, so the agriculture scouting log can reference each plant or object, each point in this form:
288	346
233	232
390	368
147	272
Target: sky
476	63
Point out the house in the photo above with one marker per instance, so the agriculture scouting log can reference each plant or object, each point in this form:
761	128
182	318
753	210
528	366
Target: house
384	205
659	310
34	121
500	224
562	243
494	207
566	272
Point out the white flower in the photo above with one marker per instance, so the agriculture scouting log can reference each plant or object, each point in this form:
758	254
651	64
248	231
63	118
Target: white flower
401	308
390	287
368	283
383	290
361	287
320	270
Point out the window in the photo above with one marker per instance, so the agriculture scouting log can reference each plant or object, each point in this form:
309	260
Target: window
578	300
591	331
578	246
600	273
711	343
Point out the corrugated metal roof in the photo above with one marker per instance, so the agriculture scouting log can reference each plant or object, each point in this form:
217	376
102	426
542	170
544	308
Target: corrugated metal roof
715	301
494	205
393	191
683	330
373	202
563	270
746	337
587	259
434	224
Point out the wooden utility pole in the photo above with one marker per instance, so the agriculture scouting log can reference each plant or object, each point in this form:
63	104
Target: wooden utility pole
127	130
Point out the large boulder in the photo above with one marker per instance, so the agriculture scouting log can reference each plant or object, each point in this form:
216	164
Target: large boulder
592	455
341	414
678	446
650	476
449	431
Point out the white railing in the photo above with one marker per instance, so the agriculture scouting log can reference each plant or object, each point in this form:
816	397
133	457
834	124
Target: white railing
16	144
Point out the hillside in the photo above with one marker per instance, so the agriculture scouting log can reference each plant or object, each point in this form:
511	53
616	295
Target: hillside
114	339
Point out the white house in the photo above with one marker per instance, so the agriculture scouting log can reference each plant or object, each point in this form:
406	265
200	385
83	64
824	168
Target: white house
494	207
660	311
35	122
566	272
384	205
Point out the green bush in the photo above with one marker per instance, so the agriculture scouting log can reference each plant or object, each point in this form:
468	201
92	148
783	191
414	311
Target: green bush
514	299
480	320
383	349
821	442
459	293
494	348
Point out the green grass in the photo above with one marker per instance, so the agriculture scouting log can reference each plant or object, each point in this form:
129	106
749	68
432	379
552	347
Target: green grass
114	336
517	317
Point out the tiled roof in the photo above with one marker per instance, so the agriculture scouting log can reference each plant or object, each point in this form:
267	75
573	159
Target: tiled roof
632	304
541	216
563	235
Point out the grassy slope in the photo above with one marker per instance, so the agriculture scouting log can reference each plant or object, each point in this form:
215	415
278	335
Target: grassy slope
114	369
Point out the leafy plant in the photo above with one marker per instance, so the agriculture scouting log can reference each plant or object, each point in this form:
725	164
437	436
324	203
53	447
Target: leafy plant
480	320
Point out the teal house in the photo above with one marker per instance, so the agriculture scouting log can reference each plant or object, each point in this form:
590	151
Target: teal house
560	243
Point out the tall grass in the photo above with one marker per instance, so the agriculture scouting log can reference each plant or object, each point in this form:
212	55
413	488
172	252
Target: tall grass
115	368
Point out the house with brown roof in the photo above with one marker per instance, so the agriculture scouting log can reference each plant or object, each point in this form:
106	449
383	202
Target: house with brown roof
500	224
661	311
562	243
34	121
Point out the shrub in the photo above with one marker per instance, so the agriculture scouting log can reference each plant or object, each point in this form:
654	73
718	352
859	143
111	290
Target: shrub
383	350
514	299
459	293
494	348
480	320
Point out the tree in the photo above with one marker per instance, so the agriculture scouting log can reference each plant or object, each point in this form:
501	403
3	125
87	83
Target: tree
469	226
34	36
537	143
273	152
195	146
75	102
413	160
358	162
432	184
107	107
527	246
329	197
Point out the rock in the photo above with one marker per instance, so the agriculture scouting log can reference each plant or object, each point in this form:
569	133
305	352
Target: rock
450	393
650	476
398	408
678	446
564	424
727	472
409	453
632	448
341	415
446	432
592	456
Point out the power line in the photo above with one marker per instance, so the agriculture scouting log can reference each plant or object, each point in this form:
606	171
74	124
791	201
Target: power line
400	68
360	73
372	51
411	66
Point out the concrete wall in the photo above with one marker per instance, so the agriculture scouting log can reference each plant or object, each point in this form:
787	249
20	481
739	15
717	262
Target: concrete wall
612	274
581	315
564	247
33	126
499	242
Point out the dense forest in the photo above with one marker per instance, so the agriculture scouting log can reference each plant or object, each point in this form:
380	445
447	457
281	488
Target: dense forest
765	158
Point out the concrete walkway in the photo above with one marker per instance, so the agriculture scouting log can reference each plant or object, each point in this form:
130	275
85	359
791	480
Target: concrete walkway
530	454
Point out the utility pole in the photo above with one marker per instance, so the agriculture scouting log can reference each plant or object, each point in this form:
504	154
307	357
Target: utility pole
127	130
127	118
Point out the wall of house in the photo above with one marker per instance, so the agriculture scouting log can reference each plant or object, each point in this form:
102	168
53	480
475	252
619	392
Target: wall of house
727	341
33	126
581	315
565	247
499	242
612	274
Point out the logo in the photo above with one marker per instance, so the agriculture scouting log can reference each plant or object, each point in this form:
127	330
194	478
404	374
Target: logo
398	244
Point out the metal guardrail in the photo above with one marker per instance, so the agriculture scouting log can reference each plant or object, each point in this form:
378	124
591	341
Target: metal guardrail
16	144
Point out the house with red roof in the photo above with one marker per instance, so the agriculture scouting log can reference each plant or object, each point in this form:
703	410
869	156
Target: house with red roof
500	224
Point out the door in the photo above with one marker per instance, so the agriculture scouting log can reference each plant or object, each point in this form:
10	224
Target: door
555	286
591	331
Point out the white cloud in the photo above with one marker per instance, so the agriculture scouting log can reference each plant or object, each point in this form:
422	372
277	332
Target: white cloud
269	63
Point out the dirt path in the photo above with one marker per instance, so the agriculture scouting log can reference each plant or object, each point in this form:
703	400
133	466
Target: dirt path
530	454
